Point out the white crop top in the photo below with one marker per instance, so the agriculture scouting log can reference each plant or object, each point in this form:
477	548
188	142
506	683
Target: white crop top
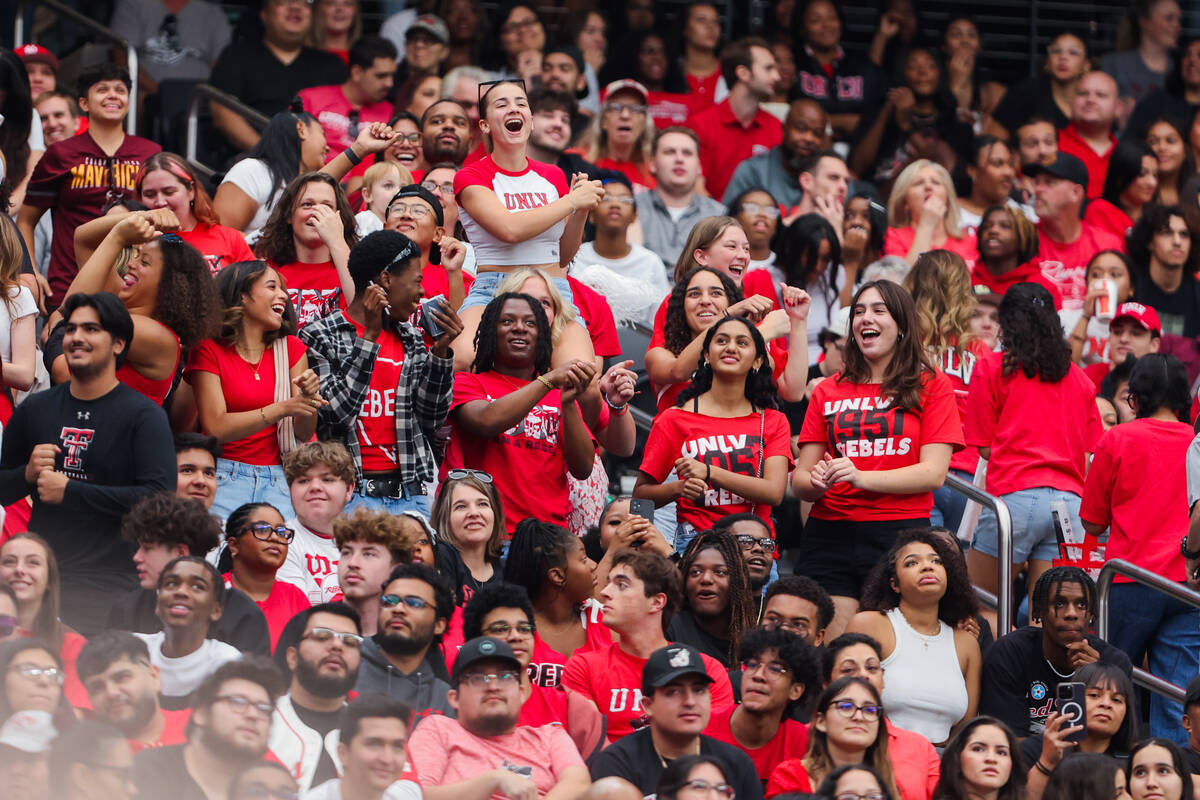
538	185
925	691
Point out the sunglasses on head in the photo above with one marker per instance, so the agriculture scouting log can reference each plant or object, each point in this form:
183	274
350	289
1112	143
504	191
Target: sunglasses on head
486	86
459	474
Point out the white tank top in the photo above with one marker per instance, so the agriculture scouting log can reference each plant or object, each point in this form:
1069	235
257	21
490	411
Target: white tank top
924	689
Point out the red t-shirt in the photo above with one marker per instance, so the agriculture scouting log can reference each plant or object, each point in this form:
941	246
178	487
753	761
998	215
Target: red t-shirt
1070	142
612	679
376	424
729	443
1097	372
1028	272
174	731
960	370
74	177
668	109
852	420
244	391
546	668
435	281
285	601
1106	216
545	706
639	175
332	109
526	461
1039	433
598	314
725	142
220	245
790	776
790	739
1136	487
898	241
1066	264
313	289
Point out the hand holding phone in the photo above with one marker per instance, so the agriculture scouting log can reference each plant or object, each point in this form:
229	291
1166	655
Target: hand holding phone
1071	702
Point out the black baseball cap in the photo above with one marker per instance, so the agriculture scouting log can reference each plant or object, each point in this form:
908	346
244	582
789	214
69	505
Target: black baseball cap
1064	165
1192	696
483	648
417	190
670	663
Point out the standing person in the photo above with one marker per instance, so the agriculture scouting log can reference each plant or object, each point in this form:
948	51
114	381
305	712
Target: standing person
469	519
1089	136
1030	392
18	324
871	479
1145	624
701	64
845	85
388	392
1153	26
370	545
923	215
1049	95
81	176
668	212
248	414
258	544
86	450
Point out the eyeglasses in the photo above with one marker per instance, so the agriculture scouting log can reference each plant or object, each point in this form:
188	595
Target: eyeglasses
486	86
857	796
622	199
459	474
263	531
8	624
410	600
241	705
632	108
846	708
477	680
352	130
747	542
771	212
774	668
411	138
502	629
418	210
34	672
326	635
256	791
442	188
519	25
704	787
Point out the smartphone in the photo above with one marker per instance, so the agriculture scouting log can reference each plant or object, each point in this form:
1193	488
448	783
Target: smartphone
1070	700
641	507
438	302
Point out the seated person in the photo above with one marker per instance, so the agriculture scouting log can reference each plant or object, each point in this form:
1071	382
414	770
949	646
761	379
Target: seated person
717	606
123	688
196	457
798	604
86	757
485	752
258	543
1134	331
320	478
25	740
677	702
758	550
1023	669
371	749
191	594
370	545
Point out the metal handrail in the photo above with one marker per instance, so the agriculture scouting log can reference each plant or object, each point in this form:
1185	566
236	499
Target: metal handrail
131	55
1004	546
207	90
1119	566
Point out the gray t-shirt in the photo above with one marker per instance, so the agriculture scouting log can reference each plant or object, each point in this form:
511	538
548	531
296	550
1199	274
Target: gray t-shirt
1193	472
184	45
1134	79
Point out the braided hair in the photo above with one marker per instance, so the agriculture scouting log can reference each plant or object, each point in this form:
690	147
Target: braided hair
486	339
1051	580
760	383
536	548
741	603
676	331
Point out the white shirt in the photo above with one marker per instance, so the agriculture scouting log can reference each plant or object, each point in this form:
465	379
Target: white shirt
311	564
367	222
332	790
252	177
634	285
182	676
22	306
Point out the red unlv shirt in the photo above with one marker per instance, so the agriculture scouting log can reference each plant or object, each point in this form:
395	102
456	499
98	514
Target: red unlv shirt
313	289
852	420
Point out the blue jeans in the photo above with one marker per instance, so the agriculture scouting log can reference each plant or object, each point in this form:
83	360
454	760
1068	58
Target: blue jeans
484	289
238	484
949	505
392	505
1033	526
1144	621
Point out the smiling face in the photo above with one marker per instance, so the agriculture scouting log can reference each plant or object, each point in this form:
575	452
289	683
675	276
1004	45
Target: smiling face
758	557
986	760
304	214
508	116
822	26
255	554
705	301
1152	775
873	327
551	129
375	757
139	288
472	517
517	331
403	150
196	477
1167	145
24	567
706	584
732	353
416	218
58	118
266	300
106	101
561	73
89	349
28	692
187	597
730	253
682	707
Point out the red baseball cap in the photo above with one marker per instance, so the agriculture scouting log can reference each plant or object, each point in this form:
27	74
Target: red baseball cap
34	53
1145	316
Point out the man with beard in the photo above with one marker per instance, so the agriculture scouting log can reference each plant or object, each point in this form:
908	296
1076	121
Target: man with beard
484	753
400	660
123	687
445	133
805	133
228	732
461	86
324	664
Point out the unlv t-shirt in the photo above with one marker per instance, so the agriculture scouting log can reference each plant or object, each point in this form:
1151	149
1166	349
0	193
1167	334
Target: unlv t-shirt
790	739
960	368
739	444
314	289
220	246
852	420
533	187
1066	264
376	423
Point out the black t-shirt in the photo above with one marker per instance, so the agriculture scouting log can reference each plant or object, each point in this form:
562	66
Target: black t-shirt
1031	97
633	758
449	562
1192	759
1019	685
322	722
684	628
242	623
162	772
895	151
1179	311
855	86
250	72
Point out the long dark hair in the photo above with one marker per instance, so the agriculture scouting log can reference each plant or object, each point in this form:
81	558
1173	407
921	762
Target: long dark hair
18	118
187	300
1086	776
486	338
676	332
1100	675
1031	334
279	146
818	759
277	242
741	607
799	247
904	378
828	788
959	603
1124	167
952	785
760	385
1159	381
237	280
675	776
1177	761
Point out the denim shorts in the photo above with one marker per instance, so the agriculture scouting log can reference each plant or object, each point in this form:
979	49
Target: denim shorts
484	289
239	483
392	505
1033	525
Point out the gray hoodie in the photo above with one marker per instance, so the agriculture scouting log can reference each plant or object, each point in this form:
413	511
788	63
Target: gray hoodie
422	691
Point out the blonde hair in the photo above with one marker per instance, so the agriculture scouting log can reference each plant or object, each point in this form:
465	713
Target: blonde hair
440	516
564	313
10	263
898	213
377	172
941	288
643	148
704	234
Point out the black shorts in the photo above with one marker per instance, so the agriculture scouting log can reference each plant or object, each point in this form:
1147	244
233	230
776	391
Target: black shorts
839	554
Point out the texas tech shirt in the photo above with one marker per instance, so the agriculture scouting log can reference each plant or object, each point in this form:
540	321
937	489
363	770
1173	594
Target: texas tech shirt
114	450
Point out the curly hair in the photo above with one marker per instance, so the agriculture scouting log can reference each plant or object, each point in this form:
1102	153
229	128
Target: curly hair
940	284
332	455
818	761
1026	232
393	532
805	588
1031	334
536	548
799	656
487	599
487	339
187	300
741	604
277	242
952	785
235	282
178	167
703	236
1155	219
162	518
958	603
909	367
677	334
760	387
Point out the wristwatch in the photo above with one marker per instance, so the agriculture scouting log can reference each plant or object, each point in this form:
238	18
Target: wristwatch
1191	554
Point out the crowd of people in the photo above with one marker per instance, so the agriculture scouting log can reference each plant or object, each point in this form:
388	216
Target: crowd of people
310	472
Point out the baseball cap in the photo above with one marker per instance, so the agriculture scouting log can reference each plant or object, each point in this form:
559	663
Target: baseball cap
483	648
34	53
417	190
1145	316
29	731
1064	165
626	84
668	663
1192	696
433	25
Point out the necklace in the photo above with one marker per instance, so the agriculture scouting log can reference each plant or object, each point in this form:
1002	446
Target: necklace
924	637
666	761
1066	677
257	365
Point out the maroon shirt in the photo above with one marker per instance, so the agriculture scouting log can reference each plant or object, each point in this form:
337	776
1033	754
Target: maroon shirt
74	177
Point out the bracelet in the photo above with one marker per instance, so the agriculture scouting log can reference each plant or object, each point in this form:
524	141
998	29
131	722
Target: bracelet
616	409
355	159
1040	767
572	202
542	379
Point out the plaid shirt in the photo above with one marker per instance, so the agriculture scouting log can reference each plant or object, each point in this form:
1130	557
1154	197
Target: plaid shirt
344	363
